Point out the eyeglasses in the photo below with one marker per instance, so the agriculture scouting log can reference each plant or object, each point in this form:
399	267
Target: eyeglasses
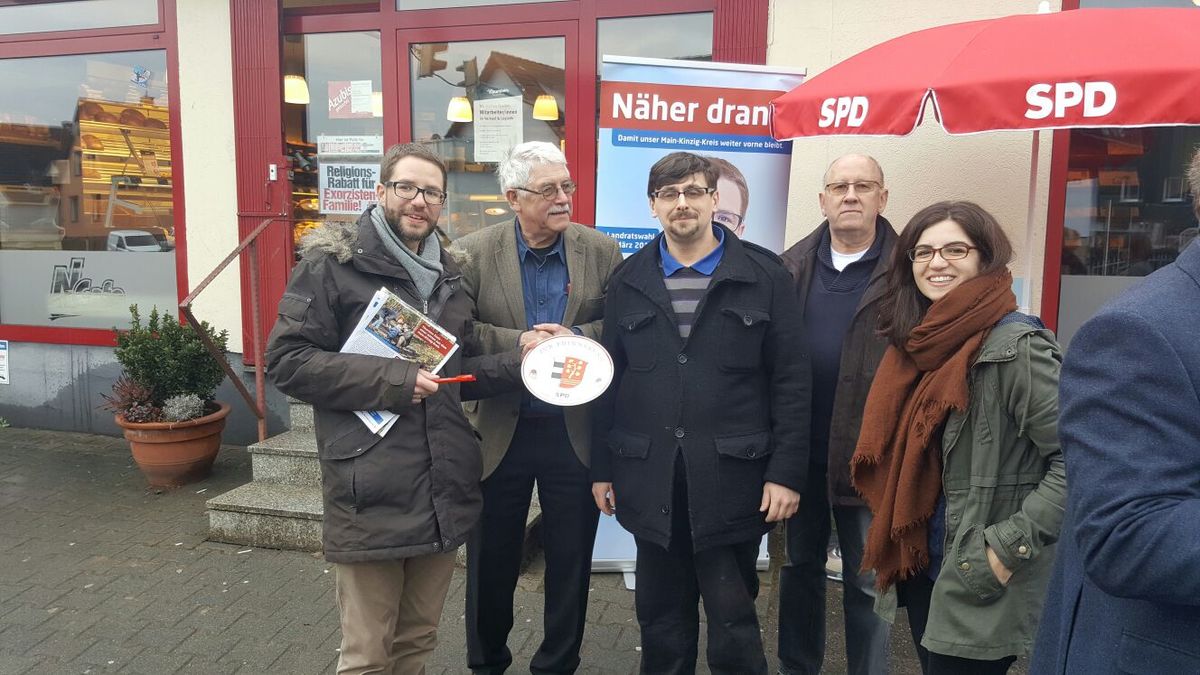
727	218
861	187
953	251
409	191
691	193
551	191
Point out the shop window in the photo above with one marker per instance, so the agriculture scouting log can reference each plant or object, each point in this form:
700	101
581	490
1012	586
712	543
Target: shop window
333	125
676	36
472	102
87	222
1128	213
76	15
443	4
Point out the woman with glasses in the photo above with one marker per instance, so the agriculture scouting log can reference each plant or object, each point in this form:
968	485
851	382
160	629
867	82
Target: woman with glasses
958	457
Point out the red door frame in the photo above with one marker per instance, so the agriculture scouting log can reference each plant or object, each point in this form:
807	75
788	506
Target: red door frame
161	36
1056	204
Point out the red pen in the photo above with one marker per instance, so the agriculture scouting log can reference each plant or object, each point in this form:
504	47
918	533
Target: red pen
456	378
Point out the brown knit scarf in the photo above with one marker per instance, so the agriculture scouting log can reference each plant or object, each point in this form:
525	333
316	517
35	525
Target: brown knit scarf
897	466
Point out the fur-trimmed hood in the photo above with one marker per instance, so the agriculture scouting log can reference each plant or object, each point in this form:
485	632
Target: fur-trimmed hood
339	239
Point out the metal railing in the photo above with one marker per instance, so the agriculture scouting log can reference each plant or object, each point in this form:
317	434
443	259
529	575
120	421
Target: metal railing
257	403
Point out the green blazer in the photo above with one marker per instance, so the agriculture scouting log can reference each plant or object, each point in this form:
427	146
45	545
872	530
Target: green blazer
492	278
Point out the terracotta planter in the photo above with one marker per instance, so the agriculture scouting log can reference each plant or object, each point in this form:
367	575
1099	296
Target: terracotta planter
171	454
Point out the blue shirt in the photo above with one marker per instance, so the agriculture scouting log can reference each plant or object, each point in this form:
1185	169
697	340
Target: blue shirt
544	285
705	265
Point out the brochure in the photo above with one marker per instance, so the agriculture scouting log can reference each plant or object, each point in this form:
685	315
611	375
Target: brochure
390	327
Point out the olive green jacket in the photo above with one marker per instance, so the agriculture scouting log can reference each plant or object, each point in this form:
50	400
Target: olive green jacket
1005	486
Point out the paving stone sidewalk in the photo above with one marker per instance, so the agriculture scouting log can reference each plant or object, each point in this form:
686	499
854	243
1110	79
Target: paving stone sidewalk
100	574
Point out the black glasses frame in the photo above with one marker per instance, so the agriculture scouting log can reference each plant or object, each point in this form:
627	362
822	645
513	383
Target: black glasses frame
432	195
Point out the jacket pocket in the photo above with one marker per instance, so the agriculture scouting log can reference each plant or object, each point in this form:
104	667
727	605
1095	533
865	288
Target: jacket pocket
1144	655
590	310
294	306
637	337
743	330
340	435
741	464
627	445
971	564
636	489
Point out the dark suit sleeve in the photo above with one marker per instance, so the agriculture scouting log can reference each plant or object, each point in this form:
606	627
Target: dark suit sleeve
604	408
790	384
303	358
1131	437
610	259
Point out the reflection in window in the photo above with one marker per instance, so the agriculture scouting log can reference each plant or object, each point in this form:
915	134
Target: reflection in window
1128	208
673	36
333	125
472	102
76	15
85	180
442	4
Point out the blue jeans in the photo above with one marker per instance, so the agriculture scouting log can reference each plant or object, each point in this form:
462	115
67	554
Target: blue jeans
802	587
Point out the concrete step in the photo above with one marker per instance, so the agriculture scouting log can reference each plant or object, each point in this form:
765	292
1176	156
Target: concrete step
268	515
289	458
302	414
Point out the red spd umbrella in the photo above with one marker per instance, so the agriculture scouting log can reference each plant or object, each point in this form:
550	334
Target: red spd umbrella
1081	68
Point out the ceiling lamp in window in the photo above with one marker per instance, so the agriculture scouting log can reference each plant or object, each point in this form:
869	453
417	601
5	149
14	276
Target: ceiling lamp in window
459	109
295	89
545	108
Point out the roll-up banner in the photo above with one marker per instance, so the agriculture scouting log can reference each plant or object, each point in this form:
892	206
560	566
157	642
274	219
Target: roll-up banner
652	107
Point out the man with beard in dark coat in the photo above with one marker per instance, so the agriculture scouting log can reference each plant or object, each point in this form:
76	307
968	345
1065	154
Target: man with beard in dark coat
395	506
701	441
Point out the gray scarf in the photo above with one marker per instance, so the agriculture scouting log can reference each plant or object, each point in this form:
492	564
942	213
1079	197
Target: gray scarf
424	269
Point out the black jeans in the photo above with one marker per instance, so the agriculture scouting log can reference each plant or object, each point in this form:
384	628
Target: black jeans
915	594
540	452
670	584
802	587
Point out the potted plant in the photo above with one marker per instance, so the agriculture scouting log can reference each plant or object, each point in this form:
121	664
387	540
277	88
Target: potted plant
164	398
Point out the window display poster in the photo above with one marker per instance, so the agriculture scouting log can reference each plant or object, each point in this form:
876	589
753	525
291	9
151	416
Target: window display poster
4	362
347	189
350	100
498	127
652	107
350	146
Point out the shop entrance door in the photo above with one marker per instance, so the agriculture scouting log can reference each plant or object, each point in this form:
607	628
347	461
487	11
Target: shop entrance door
471	93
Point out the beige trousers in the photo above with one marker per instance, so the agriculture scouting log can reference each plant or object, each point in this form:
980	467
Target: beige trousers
390	612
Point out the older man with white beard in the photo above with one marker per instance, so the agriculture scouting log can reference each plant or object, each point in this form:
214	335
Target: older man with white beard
532	278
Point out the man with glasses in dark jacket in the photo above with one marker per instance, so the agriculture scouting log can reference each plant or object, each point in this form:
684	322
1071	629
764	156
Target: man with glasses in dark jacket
701	441
395	506
840	271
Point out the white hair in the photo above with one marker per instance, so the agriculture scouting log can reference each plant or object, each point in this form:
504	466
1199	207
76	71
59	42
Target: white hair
516	166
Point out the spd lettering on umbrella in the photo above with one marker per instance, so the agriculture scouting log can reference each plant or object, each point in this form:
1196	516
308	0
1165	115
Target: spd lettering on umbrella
1097	98
849	109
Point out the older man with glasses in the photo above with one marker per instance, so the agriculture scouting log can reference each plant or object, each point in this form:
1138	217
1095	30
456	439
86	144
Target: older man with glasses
840	271
533	277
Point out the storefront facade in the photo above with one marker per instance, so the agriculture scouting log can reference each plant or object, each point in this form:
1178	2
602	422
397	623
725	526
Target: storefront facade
282	110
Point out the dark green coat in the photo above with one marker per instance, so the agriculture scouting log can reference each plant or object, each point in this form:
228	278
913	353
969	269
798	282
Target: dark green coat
1005	485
